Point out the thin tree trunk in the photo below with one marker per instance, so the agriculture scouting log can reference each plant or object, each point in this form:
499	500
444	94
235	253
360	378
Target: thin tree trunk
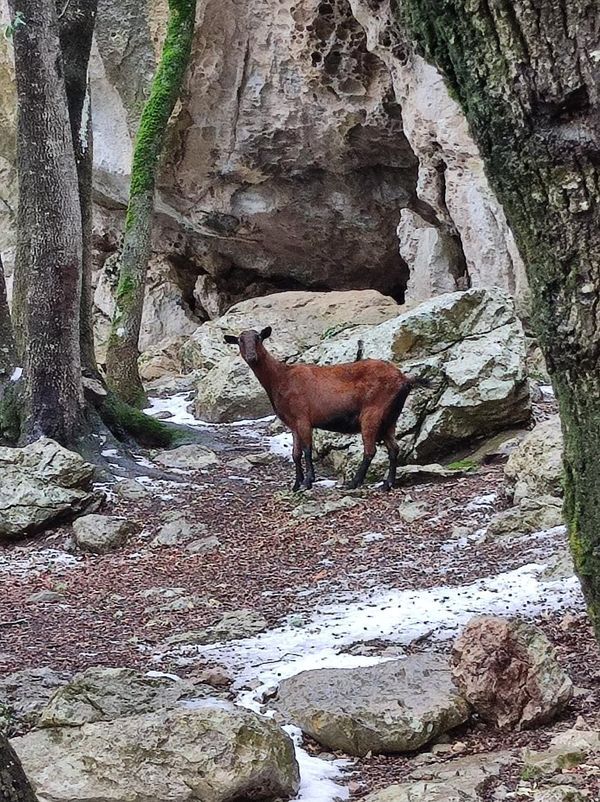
123	353
77	21
14	786
49	249
527	74
9	418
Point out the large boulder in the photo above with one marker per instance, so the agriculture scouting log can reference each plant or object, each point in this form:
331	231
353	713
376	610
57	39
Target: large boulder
103	694
535	467
395	706
41	484
227	389
508	672
212	753
470	346
24	695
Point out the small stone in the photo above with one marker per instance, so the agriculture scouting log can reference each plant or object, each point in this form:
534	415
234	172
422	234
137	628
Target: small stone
99	534
203	544
131	489
44	596
177	531
191	457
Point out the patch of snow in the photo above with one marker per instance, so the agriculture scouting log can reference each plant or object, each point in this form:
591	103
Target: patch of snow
547	390
325	483
245	479
281	445
22	564
162	675
110	452
16	374
372	537
483	503
176	405
318	778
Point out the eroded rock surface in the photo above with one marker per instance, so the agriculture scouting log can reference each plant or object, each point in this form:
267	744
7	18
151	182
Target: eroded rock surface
24	695
214	753
395	706
99	534
40	484
535	467
508	672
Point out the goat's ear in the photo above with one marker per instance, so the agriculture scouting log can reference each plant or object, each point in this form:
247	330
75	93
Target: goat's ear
266	333
229	338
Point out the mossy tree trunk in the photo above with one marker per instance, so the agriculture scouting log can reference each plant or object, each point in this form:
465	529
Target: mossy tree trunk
123	353
49	249
77	21
14	786
527	74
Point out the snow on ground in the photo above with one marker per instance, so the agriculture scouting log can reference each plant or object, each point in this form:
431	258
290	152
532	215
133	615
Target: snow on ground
25	563
399	616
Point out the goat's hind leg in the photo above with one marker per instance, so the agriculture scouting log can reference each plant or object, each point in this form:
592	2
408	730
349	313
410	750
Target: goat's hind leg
369	438
305	431
393	450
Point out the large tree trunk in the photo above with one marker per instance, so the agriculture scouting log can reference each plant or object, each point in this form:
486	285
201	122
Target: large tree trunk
123	353
527	74
14	786
77	22
49	250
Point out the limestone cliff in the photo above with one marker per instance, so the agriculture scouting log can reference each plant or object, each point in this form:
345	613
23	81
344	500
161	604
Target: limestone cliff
311	149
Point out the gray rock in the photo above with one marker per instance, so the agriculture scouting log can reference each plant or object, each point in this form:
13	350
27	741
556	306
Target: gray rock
131	489
42	483
44	597
99	534
395	706
103	694
559	793
530	515
214	753
24	695
203	545
232	626
507	670
455	781
319	507
178	530
535	468
567	750
190	457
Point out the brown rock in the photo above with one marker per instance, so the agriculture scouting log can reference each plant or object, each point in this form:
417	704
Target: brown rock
507	670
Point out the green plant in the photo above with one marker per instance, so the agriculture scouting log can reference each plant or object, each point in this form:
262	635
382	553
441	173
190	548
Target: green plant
15	24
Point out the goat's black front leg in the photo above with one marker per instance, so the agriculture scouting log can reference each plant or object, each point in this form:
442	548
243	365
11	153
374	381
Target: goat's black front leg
310	468
297	457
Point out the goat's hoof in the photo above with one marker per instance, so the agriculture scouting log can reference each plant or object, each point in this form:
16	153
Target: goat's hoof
387	486
306	486
296	487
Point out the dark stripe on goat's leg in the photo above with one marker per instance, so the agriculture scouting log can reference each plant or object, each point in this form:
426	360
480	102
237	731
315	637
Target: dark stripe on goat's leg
297	457
393	450
310	468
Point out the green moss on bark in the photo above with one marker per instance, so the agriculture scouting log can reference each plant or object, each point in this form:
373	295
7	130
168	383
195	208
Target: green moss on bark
122	355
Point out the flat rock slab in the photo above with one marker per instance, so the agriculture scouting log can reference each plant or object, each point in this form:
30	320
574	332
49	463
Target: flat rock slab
396	706
191	457
214	753
455	781
232	626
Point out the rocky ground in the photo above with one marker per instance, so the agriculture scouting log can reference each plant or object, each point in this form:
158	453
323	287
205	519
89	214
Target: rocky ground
306	581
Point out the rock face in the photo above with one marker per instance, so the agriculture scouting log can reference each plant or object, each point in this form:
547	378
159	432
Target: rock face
24	695
214	753
507	671
471	348
40	484
535	467
392	707
99	534
530	515
232	626
103	694
226	388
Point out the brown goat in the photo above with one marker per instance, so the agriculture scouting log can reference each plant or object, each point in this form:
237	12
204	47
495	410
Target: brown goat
366	396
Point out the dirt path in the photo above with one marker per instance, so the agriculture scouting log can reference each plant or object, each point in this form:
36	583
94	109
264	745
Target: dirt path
356	581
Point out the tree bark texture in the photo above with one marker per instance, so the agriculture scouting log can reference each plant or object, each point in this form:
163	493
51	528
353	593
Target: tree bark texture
49	249
77	21
123	352
527	74
14	786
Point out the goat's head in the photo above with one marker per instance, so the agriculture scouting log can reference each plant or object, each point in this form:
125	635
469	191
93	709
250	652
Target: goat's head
249	342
